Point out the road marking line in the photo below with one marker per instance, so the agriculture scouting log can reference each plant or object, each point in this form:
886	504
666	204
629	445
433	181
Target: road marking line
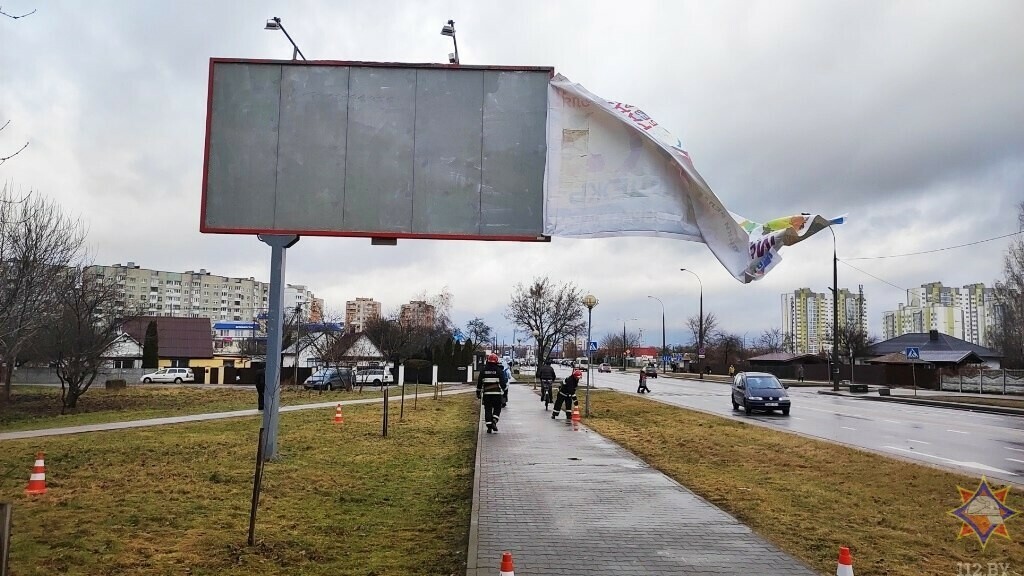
795	418
951	461
1014	449
918	441
1015	460
848	428
957	431
892	421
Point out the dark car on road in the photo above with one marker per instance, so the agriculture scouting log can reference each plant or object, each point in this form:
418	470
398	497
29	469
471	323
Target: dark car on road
759	391
651	370
331	379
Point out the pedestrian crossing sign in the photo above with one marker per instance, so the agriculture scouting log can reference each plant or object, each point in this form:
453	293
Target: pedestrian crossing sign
593	346
912	353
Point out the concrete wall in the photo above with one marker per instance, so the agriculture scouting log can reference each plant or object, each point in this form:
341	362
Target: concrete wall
49	375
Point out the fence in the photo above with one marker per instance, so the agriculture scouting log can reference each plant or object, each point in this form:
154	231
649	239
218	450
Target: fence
984	381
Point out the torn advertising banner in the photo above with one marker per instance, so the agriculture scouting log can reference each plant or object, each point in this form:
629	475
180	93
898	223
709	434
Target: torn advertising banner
613	171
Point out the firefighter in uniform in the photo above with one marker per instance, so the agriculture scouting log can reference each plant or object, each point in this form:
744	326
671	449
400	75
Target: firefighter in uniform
491	386
567	393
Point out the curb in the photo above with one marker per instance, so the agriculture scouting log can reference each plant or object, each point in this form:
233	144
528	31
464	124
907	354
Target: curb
474	517
982	408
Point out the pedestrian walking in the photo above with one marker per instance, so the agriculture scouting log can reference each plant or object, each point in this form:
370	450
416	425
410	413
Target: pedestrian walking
491	387
261	385
800	372
566	394
732	370
642	388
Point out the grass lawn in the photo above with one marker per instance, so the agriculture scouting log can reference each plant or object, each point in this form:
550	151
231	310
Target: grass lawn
175	499
37	407
809	496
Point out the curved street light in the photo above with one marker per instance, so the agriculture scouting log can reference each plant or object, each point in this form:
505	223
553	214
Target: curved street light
275	24
700	326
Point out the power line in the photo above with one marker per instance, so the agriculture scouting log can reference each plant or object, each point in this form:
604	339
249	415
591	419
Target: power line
936	249
873	276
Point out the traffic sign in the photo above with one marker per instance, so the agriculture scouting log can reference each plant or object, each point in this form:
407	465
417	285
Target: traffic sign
701	356
701	352
912	353
666	358
593	346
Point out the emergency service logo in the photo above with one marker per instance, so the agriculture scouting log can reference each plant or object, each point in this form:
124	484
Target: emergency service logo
983	512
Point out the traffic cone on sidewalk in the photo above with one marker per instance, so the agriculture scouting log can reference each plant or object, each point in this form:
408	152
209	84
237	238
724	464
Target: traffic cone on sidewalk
575	413
37	481
338	417
845	562
506	565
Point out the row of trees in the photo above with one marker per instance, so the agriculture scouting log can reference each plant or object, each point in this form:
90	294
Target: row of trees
556	314
50	308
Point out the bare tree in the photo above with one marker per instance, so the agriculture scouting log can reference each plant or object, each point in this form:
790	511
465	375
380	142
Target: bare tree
771	340
80	334
852	340
479	331
552	311
38	243
328	347
1008	332
710	327
612	343
726	348
390	336
16	152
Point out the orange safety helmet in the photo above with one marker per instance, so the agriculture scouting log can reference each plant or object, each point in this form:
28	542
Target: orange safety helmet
492	358
577	373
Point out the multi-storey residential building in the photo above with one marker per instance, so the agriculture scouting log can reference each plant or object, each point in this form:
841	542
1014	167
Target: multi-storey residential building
807	318
358	312
297	297
417	313
191	294
968	313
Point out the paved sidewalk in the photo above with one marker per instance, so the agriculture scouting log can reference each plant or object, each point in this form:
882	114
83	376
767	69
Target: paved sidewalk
572	503
106	426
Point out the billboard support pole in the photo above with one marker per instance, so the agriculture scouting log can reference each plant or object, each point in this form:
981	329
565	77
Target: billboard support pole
275	338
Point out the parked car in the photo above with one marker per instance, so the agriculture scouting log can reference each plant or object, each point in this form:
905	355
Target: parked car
759	391
651	370
331	379
176	375
374	376
604	367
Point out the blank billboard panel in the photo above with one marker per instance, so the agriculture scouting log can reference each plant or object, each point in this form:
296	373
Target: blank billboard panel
378	150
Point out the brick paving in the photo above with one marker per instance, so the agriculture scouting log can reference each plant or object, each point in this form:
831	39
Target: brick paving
573	503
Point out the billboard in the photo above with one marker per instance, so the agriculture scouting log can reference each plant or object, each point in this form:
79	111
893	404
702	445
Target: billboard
375	150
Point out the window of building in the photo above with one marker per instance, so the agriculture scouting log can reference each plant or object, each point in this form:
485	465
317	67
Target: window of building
179	363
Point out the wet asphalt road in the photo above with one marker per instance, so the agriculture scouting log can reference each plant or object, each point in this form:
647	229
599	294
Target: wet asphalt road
963	441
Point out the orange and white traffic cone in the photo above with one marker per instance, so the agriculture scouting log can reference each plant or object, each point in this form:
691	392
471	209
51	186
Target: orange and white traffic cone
37	481
338	417
506	565
845	562
575	413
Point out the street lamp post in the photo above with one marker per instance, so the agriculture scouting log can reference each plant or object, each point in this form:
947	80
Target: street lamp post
449	30
589	301
663	348
700	326
275	24
624	341
835	314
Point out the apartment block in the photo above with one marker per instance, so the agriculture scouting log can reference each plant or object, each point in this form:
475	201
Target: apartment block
968	313
417	313
358	312
807	318
192	294
299	299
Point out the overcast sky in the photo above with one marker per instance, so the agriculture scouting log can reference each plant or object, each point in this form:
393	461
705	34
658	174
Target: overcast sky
906	116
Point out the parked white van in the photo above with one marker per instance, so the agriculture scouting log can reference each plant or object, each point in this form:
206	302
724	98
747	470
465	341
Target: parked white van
374	376
581	363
